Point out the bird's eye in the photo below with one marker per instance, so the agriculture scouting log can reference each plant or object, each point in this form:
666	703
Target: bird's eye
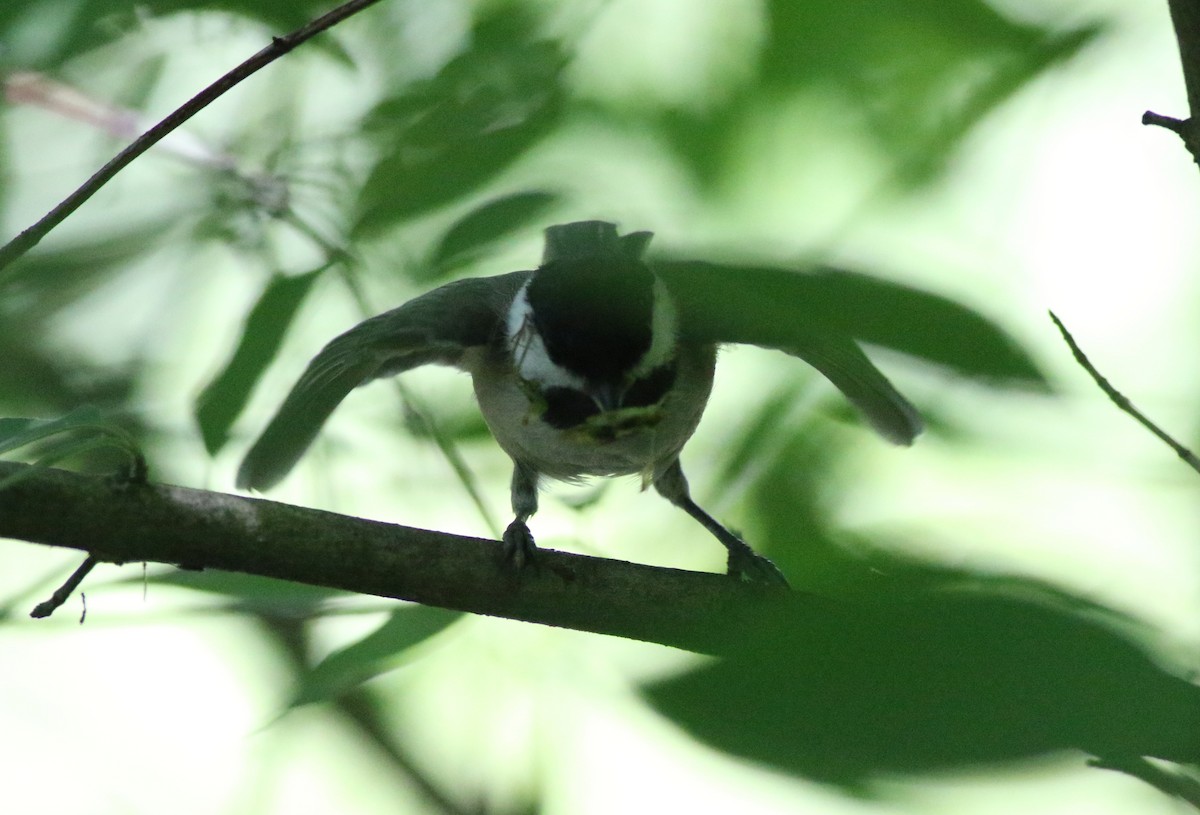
650	389
567	407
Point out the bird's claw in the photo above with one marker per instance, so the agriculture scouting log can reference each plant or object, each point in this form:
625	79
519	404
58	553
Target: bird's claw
519	548
751	567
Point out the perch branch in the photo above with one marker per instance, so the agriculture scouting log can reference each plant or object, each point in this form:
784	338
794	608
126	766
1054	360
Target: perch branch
198	529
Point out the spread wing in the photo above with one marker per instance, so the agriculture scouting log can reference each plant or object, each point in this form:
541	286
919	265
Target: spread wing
437	327
772	308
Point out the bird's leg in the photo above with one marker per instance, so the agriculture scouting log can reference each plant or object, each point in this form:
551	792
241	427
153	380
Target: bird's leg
743	563
519	547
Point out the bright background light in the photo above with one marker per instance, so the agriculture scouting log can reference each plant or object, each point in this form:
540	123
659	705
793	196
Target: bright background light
1061	200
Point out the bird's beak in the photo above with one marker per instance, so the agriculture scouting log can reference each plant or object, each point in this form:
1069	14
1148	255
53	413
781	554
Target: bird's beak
606	395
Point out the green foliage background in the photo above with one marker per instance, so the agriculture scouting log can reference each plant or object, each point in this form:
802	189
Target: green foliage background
896	142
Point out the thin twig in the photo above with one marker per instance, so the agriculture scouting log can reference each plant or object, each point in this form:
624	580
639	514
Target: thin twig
1185	129
1177	126
279	46
48	607
1121	401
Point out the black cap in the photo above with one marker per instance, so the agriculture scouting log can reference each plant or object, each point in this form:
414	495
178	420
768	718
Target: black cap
593	300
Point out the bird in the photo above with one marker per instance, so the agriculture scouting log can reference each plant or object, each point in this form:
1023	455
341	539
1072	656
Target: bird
595	363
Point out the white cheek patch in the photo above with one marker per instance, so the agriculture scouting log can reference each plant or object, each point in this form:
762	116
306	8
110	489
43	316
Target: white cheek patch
529	353
664	333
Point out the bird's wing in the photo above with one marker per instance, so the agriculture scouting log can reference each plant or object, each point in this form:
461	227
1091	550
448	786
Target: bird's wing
769	308
437	327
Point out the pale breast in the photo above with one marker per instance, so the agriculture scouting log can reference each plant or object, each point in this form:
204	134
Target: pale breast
569	454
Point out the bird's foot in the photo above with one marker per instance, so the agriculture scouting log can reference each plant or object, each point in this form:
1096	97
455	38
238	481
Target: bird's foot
747	565
519	548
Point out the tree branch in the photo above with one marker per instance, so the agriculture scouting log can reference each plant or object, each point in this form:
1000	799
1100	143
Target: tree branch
279	46
1185	16
196	529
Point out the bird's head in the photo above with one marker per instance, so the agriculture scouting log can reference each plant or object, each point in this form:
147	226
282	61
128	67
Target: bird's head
594	331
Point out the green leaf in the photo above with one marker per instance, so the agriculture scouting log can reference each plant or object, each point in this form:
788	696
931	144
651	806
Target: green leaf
54	277
787	510
968	672
262	595
759	435
920	75
474	233
382	650
53	31
90	431
914	79
15	433
446	137
223	400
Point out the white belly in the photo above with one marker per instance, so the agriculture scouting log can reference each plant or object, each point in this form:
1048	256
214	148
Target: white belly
569	454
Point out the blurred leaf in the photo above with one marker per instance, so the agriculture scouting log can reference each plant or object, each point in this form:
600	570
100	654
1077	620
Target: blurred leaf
380	651
920	682
758	441
40	373
16	433
791	511
34	379
261	595
42	33
916	77
474	233
786	509
875	311
444	138
921	75
223	400
458	422
774	469
240	207
49	32
418	416
89	430
7	177
585	499
143	79
53	276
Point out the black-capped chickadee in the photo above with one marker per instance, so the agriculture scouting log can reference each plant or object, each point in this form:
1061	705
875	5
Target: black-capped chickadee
593	364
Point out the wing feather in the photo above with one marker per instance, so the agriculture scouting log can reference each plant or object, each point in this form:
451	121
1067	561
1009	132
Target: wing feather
435	328
769	308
